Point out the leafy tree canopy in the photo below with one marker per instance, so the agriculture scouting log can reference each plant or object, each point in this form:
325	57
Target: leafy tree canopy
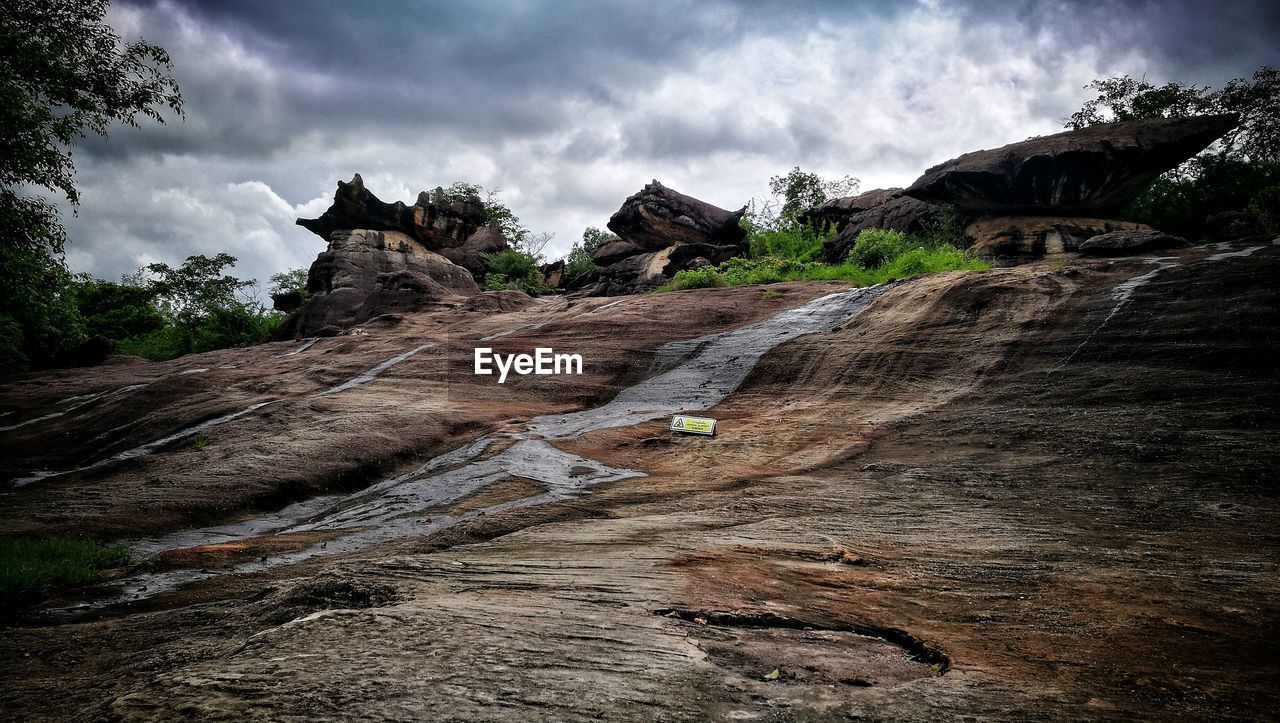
1256	100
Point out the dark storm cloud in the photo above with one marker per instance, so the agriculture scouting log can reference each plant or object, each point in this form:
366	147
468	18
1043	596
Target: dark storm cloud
571	106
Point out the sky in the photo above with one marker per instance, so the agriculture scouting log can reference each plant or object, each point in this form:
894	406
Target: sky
568	107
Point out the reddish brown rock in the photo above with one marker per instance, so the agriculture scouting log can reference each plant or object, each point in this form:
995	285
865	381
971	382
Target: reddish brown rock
366	273
1125	243
1028	237
658	217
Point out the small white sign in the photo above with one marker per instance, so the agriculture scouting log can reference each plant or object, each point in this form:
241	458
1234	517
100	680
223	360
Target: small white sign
693	425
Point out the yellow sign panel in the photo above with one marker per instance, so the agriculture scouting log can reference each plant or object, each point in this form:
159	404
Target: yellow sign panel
693	425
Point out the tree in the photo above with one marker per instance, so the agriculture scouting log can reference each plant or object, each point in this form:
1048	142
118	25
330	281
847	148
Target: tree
291	280
1240	173
800	190
593	238
63	74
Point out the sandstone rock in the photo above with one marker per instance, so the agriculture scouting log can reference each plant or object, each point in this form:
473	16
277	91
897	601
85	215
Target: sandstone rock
286	301
505	300
1035	236
645	272
470	255
886	208
1092	172
836	212
367	273
614	251
436	224
658	217
1123	243
552	274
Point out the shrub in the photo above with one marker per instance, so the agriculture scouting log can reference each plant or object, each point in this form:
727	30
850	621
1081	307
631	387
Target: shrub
31	567
495	282
694	279
796	242
875	246
519	269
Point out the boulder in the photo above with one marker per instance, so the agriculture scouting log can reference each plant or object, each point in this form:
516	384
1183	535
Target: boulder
499	301
286	301
1125	243
836	212
645	272
470	255
552	274
894	211
614	251
1026	237
367	273
435	224
658	217
1093	172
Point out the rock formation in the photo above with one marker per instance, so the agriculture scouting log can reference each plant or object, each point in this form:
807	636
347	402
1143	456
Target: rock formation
388	258
1091	172
365	274
1119	243
436	224
661	232
881	208
1043	195
470	255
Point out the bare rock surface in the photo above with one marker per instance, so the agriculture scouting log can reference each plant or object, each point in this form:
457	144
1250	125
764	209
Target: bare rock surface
470	255
1027	489
1092	172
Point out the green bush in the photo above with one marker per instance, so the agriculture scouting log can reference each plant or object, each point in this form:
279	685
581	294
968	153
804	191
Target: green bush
31	567
520	269
495	282
875	246
702	278
1265	206
796	242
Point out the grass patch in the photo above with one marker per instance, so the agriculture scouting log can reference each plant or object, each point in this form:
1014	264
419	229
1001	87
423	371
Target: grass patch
877	256
31	568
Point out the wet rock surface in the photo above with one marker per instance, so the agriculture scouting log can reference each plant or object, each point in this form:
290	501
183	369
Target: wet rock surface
1057	483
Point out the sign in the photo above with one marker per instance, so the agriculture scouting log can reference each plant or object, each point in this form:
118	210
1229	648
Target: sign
693	425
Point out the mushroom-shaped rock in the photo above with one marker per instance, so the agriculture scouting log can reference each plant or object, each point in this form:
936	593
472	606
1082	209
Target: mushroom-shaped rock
1091	172
658	217
436	222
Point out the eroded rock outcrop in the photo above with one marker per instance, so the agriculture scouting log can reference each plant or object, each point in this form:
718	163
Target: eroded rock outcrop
435	222
660	232
366	273
881	208
1091	172
1036	236
1131	241
470	255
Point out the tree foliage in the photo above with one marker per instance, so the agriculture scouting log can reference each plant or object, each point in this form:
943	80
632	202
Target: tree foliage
1239	173
799	190
63	74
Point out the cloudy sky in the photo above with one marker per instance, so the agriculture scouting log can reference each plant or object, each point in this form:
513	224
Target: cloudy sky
568	107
